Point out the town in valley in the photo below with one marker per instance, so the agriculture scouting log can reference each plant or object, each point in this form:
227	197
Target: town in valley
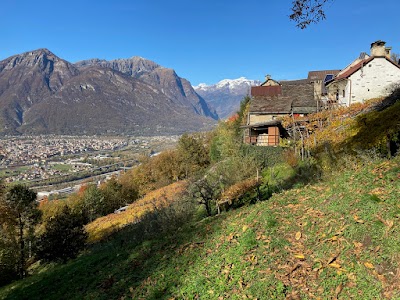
50	164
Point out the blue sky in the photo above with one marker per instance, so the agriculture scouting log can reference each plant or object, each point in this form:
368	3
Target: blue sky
204	41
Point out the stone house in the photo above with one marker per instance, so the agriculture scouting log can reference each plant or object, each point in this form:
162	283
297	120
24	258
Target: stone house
272	100
367	77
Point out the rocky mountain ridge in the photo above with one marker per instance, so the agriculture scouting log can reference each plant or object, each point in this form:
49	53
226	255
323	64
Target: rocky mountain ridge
41	93
150	72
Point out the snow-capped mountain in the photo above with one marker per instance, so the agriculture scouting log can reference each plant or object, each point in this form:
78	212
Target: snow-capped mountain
225	96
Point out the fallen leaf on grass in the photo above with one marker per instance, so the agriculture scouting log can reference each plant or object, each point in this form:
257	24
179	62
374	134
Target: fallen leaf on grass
299	256
388	223
241	284
351	276
358	220
338	290
298	235
369	265
335	265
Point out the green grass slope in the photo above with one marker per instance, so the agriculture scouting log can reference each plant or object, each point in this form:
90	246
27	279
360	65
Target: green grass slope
337	239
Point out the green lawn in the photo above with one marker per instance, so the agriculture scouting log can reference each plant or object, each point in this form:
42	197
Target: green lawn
13	171
62	167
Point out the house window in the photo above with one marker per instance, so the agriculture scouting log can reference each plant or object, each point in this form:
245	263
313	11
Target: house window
344	93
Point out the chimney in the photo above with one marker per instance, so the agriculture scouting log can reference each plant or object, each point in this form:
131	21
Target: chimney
378	48
388	52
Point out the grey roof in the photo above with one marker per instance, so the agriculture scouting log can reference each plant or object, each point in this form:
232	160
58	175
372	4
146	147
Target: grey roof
320	75
298	94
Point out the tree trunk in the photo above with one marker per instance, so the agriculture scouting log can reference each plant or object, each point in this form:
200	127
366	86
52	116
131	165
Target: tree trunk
208	207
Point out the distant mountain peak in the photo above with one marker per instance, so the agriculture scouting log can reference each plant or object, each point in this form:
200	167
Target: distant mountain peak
42	50
41	58
228	83
42	53
200	86
225	95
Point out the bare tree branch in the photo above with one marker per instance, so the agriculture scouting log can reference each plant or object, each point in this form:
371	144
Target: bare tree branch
306	12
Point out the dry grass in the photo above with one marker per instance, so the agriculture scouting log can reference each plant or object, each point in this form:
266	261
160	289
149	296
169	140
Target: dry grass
104	226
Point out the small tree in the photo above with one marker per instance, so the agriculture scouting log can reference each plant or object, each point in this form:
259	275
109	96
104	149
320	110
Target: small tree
115	195
193	154
8	246
206	191
395	57
64	236
93	201
18	215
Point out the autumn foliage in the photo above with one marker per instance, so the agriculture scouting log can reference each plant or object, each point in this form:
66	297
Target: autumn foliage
157	199
234	192
362	126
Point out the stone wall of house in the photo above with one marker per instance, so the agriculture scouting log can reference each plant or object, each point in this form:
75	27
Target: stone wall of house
262	118
338	88
376	79
318	89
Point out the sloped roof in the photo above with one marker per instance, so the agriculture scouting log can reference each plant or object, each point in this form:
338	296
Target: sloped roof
297	94
271	90
294	82
320	75
354	68
270	104
358	66
274	82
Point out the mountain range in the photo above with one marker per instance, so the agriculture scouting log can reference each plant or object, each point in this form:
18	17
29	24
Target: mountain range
41	93
225	96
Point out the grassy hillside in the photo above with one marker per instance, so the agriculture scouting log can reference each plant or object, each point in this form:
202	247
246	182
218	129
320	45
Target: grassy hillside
102	227
335	239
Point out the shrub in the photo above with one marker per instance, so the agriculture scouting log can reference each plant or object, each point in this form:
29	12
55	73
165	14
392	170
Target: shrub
290	157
